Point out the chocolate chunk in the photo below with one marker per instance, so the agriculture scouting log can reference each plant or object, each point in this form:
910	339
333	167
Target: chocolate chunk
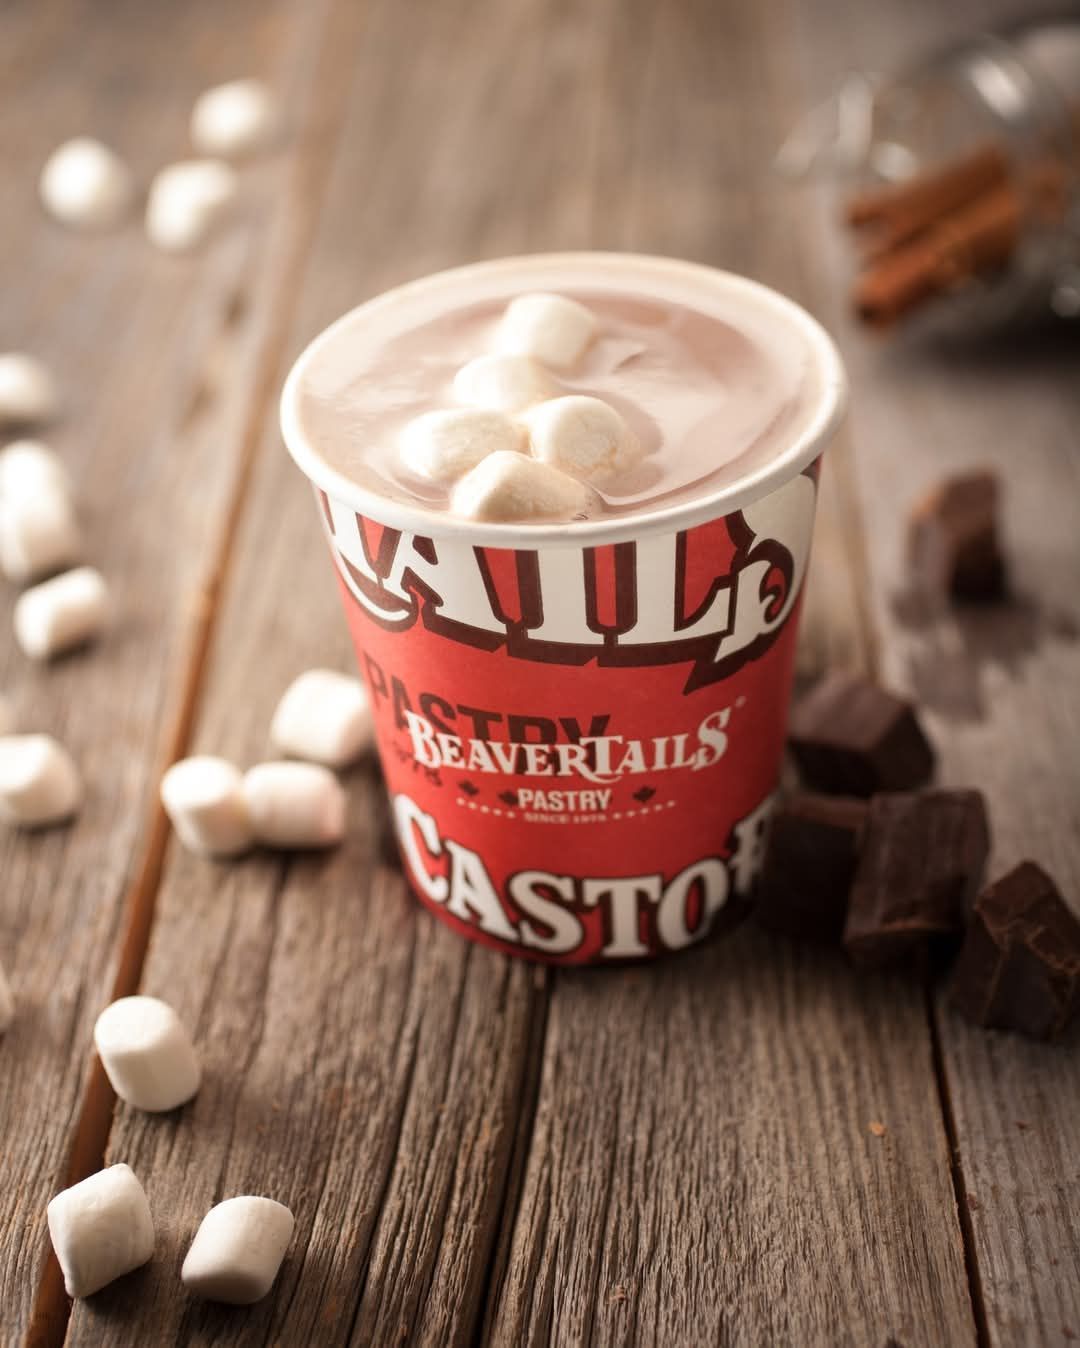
952	541
1019	968
850	737
922	862
810	860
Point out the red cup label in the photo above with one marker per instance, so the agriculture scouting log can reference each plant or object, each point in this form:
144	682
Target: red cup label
581	744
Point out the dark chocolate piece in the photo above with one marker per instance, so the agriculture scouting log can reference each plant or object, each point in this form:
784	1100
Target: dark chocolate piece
851	737
952	542
921	865
1019	968
810	860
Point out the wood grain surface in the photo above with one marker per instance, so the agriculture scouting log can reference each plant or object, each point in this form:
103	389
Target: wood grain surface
159	359
998	688
478	1150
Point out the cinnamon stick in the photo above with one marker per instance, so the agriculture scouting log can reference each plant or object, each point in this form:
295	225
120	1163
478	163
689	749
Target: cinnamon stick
977	238
902	209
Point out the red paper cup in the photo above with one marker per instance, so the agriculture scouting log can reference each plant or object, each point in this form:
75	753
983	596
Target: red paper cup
581	725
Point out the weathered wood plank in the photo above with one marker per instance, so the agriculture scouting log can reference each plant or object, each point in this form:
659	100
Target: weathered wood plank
701	1167
398	1055
157	357
998	688
702	1170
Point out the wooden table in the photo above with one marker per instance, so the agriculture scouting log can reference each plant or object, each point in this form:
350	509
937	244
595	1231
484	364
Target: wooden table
477	1149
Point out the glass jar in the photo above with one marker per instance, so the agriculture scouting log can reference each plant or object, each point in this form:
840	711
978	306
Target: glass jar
1003	108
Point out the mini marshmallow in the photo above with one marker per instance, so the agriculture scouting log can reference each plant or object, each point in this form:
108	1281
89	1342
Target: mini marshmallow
27	389
101	1229
7	1002
503	383
442	446
583	436
86	184
238	1249
38	534
233	119
513	487
27	467
39	782
295	805
551	328
62	613
204	798
186	200
147	1054
324	716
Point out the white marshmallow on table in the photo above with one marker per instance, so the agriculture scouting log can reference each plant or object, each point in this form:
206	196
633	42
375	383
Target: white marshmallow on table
186	200
38	534
147	1054
39	782
583	436
204	798
233	119
238	1250
295	805
62	613
86	184
443	445
551	328
503	383
101	1229
28	467
28	391
515	487
7	1002
324	716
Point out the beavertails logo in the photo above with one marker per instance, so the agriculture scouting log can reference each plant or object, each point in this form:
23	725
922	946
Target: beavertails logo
717	595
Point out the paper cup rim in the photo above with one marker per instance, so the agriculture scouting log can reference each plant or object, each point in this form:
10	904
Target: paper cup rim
806	444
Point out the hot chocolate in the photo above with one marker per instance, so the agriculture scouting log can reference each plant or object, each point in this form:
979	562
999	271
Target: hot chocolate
428	396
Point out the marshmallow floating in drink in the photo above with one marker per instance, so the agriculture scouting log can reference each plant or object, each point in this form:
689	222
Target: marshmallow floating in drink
507	486
238	1249
442	446
204	798
86	185
39	782
147	1054
101	1229
503	383
582	436
186	201
27	390
552	329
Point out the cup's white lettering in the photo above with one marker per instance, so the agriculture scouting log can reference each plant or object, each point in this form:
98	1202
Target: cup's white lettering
549	911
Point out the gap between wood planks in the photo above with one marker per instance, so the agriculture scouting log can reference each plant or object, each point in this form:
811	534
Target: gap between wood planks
52	1308
956	1170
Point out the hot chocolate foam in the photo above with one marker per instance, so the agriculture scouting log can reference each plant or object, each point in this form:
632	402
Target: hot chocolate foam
710	387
